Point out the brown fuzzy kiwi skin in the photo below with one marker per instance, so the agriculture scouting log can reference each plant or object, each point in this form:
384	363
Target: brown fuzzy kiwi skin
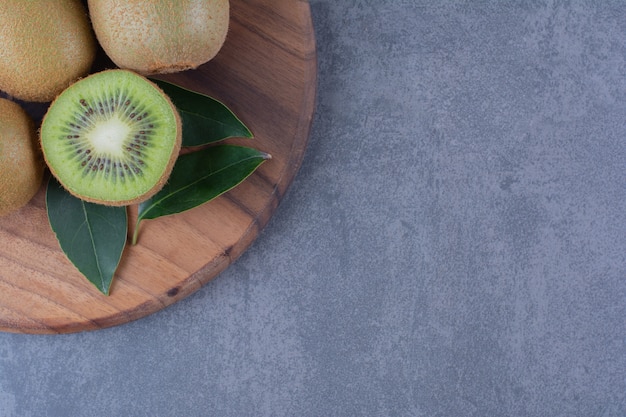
21	164
46	45
160	36
162	180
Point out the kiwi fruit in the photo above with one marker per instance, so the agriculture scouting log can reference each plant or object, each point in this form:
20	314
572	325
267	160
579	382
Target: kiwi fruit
21	166
111	138
46	45
160	36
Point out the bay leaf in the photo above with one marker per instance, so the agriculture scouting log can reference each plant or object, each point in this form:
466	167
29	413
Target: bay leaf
205	120
92	236
199	177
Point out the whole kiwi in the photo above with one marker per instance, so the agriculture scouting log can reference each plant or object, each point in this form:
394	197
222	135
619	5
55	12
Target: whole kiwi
111	138
46	45
160	36
21	165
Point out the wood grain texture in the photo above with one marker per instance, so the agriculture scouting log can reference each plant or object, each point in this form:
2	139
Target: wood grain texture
266	73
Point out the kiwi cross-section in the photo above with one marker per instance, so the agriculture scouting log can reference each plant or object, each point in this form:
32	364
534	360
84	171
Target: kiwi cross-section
112	138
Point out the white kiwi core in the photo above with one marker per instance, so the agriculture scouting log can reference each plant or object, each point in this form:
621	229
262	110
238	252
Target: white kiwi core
109	136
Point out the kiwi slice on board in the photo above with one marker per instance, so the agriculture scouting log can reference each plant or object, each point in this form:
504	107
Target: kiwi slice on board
112	138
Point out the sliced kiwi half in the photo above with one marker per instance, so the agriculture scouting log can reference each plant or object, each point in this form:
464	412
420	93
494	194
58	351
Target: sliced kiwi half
111	138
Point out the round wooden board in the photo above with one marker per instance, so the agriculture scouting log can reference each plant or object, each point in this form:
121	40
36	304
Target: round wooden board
266	73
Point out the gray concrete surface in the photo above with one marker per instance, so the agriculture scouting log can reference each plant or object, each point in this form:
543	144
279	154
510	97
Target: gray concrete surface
454	244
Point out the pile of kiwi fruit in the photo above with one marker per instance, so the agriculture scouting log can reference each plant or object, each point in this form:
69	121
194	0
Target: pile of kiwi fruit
109	136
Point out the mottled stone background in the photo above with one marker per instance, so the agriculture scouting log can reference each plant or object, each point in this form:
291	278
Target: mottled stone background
454	244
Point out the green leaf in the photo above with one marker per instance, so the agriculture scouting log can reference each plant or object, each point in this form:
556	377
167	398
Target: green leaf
92	236
199	177
205	120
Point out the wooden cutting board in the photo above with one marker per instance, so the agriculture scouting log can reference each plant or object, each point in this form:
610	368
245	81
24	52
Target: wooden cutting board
266	73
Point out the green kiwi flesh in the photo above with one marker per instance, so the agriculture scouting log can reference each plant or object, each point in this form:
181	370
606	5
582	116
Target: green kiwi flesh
111	138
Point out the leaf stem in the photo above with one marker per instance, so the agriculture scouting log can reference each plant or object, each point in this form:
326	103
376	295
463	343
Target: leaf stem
136	233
